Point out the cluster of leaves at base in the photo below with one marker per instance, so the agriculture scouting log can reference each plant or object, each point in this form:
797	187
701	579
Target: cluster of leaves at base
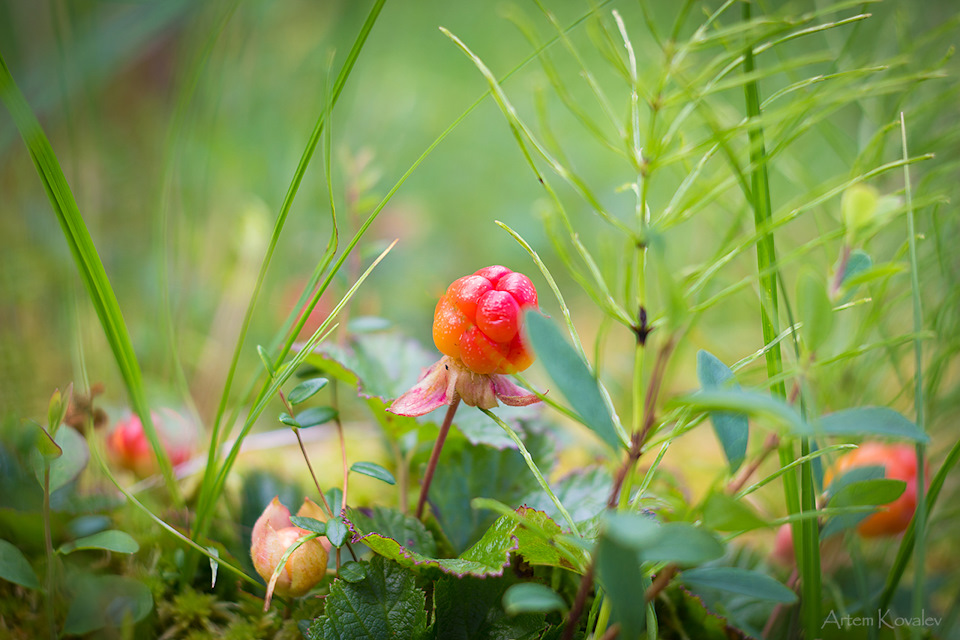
388	603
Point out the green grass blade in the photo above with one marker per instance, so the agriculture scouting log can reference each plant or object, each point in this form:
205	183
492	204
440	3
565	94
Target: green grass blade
88	263
920	515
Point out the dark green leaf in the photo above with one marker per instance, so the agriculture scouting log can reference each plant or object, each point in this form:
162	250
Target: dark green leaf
309	524
572	376
749	402
107	601
470	608
528	597
622	578
15	568
306	390
732	429
316	416
742	581
870	421
353	571
468	472
110	540
723	513
336	532
815	309
374	471
385	604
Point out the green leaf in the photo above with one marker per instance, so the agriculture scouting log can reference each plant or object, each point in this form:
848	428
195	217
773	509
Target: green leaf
306	390
815	309
374	471
69	465
265	359
352	571
107	601
488	557
334	498
572	376
858	263
870	421
46	446
336	531
472	609
741	581
286	419
723	513
57	409
315	416
385	604
856	494
110	540
385	522
678	542
528	597
858	474
745	401
467	472
732	429
15	568
619	573
309	524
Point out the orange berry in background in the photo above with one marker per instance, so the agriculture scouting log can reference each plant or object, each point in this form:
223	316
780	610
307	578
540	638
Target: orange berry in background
479	320
899	462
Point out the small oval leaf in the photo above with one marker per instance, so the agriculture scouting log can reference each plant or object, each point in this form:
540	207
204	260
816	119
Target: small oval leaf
306	389
309	524
110	540
530	597
286	419
374	471
316	416
732	429
15	568
336	532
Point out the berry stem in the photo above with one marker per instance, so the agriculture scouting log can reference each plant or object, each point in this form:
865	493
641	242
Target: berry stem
435	455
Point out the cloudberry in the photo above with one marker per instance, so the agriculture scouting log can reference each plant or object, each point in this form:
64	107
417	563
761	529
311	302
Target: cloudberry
479	320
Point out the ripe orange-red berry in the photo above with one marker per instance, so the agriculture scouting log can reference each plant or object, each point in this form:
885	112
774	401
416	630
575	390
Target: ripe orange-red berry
899	462
479	320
